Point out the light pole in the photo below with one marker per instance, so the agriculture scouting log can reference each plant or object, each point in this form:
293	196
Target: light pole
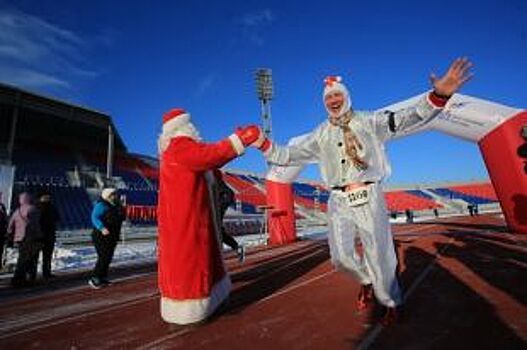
264	88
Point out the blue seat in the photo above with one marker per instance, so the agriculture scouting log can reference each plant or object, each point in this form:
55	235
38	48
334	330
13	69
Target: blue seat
448	193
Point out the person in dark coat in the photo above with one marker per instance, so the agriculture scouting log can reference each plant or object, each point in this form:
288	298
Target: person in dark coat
470	208
3	231
225	199
49	218
107	218
24	233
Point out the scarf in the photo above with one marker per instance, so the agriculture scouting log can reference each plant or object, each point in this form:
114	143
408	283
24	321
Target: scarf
351	142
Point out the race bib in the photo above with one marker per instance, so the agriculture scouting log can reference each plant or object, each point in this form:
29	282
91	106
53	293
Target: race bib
358	196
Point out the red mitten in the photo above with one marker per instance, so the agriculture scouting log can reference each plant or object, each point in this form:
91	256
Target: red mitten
249	134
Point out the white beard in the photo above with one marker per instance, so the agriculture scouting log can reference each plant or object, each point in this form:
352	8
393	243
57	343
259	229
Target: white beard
166	136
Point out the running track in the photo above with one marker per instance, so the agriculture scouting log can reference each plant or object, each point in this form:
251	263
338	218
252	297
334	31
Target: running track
464	281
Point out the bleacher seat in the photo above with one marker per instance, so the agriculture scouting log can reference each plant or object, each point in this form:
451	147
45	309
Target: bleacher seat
485	191
451	194
398	201
34	167
246	191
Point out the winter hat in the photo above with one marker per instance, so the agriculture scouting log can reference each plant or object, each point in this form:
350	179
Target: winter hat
107	192
175	118
334	84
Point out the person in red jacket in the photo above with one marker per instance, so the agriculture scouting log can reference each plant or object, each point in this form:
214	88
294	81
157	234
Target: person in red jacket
192	278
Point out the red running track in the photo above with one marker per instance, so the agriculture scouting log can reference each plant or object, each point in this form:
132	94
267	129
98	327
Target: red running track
464	282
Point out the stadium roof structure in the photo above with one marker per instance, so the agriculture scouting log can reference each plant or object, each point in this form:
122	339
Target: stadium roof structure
46	121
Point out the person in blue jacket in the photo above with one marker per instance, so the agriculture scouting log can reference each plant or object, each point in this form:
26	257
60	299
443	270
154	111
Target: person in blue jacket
107	218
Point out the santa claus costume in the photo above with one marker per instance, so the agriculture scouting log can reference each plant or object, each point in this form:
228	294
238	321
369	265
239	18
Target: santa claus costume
192	278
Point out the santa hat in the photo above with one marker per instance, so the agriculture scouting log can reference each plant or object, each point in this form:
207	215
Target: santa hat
334	84
175	118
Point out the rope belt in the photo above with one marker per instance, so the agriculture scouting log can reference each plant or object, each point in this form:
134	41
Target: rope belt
351	186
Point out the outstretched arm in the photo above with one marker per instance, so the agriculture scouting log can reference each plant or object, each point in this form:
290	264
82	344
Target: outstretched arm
201	156
390	124
304	149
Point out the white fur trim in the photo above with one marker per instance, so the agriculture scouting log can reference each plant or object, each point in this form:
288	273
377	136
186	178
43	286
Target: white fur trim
187	130
237	144
195	310
176	122
260	140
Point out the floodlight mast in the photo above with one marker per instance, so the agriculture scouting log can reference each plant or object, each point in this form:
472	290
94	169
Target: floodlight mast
264	89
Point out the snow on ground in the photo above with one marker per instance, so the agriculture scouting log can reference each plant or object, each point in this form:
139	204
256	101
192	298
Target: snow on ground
83	258
71	258
67	258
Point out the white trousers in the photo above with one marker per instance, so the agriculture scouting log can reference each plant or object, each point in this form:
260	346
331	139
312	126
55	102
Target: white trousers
368	224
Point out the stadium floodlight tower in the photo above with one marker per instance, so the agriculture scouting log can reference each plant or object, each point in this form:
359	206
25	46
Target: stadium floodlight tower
264	88
109	156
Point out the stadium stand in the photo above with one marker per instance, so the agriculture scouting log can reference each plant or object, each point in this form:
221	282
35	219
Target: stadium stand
398	201
449	193
251	197
481	190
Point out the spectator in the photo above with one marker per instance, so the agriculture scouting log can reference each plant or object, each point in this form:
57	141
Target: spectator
3	231
107	218
49	218
25	234
225	198
436	212
409	216
470	208
476	209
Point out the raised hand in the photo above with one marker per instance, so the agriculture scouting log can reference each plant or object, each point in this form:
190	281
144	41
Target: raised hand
457	75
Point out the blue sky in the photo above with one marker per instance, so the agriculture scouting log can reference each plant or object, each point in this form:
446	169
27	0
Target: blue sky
135	60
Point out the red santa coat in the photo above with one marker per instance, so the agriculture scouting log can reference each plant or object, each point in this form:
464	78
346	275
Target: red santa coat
192	278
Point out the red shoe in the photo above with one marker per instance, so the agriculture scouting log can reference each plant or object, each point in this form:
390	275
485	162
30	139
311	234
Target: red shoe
365	297
390	317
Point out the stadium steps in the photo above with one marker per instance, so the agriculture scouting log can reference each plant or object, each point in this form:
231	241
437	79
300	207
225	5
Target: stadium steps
448	204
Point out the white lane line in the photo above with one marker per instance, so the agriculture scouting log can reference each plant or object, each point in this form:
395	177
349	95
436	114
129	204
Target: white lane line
156	343
301	284
52	293
171	336
43	322
374	334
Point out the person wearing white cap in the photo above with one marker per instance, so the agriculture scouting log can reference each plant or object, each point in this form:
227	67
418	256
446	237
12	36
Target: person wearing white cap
107	218
192	278
349	148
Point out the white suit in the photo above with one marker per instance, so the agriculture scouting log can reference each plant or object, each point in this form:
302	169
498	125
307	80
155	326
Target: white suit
367	222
